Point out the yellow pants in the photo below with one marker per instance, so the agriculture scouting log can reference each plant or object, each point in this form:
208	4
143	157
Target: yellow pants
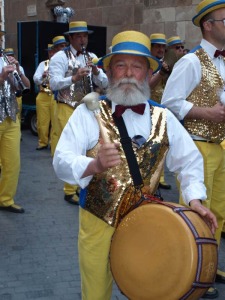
55	126
64	113
43	109
19	101
10	160
94	244
214	179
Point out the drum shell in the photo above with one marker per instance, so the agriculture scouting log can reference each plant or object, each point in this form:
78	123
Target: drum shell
154	254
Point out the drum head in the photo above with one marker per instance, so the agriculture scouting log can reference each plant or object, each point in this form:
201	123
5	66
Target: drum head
153	254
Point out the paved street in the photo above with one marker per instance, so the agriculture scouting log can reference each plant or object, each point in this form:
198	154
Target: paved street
38	249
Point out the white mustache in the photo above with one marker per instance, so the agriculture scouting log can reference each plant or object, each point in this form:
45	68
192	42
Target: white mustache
127	81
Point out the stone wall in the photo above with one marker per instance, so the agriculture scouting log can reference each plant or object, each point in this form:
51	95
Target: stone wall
172	17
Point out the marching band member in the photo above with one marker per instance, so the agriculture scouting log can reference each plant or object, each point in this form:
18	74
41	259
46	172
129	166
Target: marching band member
157	82
44	101
71	74
101	169
10	133
59	43
192	93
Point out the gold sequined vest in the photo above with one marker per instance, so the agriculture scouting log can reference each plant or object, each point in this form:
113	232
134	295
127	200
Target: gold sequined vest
73	94
111	194
206	95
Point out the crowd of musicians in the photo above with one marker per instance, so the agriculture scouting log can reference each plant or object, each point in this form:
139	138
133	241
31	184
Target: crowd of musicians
172	102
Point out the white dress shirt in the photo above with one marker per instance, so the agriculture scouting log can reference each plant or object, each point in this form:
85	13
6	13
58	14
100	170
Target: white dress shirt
38	79
58	67
82	133
185	77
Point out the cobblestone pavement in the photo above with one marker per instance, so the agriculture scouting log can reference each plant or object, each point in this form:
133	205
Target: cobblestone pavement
38	249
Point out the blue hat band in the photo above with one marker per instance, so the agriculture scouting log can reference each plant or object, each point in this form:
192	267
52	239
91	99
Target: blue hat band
130	46
60	42
78	28
174	42
158	41
210	5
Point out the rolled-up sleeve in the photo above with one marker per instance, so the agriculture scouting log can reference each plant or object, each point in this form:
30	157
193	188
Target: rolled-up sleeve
185	160
185	76
80	134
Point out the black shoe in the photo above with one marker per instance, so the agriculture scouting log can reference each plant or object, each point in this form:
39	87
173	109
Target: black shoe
164	185
72	199
223	234
220	277
212	293
42	148
13	208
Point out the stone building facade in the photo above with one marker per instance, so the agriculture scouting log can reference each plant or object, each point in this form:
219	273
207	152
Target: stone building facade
172	17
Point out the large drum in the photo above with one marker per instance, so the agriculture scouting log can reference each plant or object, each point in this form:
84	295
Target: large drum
163	251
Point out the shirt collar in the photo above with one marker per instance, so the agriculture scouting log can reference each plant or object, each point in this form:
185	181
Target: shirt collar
209	48
74	51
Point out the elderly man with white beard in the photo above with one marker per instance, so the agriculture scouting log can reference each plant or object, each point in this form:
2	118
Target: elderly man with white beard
91	153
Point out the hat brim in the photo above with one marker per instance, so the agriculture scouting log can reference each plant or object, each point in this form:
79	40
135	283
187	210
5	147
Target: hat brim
209	8
78	31
104	62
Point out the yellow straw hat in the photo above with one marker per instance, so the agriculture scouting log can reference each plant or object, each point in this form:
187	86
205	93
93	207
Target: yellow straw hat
59	39
50	47
78	26
205	7
158	38
173	40
132	43
9	51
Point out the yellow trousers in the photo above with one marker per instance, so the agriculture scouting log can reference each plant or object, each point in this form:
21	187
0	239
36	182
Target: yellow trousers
64	113
55	126
94	245
44	114
214	179
10	160
19	101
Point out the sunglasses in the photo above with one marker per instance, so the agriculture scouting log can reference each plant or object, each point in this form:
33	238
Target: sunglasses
179	47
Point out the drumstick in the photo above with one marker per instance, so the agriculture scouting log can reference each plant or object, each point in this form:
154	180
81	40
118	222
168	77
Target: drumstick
92	102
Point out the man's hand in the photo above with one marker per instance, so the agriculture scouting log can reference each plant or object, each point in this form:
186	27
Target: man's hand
207	215
81	72
107	157
6	71
165	69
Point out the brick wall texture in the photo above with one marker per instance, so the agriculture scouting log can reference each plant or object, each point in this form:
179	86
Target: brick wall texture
172	17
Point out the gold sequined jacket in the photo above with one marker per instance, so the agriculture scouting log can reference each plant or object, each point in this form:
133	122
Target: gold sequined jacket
206	95
111	194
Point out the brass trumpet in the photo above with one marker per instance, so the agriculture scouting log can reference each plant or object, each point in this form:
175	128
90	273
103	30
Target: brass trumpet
23	89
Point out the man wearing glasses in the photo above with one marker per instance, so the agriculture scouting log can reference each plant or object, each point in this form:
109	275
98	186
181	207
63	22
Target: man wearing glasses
175	43
194	93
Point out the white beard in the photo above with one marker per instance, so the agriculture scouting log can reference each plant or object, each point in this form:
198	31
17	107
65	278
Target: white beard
128	91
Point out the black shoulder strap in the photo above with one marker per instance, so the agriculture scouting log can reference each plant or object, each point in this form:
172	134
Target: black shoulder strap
129	152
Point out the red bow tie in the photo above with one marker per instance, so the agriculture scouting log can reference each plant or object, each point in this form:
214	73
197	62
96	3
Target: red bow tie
120	109
219	52
78	53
